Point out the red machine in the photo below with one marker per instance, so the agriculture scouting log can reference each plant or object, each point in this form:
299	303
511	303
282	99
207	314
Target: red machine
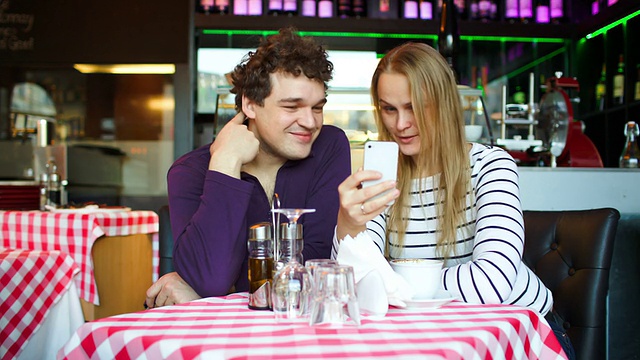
563	140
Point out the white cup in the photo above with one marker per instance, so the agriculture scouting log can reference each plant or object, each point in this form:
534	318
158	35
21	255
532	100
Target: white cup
422	275
472	132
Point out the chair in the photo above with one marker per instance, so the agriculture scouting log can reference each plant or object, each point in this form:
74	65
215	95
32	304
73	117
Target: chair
165	241
571	253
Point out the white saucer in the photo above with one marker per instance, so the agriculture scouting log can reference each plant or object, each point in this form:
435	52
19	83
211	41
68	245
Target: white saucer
442	298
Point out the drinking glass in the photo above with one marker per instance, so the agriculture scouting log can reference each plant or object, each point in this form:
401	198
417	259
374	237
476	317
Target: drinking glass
334	300
313	264
292	284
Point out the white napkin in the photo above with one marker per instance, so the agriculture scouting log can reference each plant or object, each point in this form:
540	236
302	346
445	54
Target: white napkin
377	285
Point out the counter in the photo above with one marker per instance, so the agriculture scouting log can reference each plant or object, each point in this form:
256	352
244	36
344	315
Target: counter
579	188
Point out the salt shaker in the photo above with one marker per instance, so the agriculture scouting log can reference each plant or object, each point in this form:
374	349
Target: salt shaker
290	232
260	245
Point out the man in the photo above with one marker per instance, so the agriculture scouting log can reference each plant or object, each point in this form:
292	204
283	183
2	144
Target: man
276	144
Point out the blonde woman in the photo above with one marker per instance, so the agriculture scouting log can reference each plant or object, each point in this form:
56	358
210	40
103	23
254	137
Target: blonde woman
454	201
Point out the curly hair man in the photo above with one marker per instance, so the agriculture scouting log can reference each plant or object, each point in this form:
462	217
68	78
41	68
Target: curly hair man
275	144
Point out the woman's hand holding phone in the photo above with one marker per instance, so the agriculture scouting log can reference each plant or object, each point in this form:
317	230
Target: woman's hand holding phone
367	192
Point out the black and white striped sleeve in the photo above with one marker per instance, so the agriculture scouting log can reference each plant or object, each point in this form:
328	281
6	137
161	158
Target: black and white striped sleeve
499	232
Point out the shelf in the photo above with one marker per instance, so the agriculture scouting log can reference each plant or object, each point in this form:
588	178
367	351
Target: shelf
607	111
395	28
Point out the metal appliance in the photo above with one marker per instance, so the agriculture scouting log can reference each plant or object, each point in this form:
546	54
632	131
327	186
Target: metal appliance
553	138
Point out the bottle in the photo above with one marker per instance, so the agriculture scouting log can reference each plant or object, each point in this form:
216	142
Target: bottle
525	10
449	35
595	7
221	6
44	194
601	88
542	12
309	8
275	7
385	10
54	184
359	8
344	9
461	6
519	97
290	232
484	10
261	266
426	10
254	8
240	7
410	9
473	10
511	10
206	6
618	82
637	93
631	153
325	8
556	10
290	7
494	10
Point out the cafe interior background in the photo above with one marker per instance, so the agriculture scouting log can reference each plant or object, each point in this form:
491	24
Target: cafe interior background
115	132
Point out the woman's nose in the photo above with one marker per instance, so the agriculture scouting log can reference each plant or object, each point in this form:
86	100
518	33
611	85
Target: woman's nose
405	120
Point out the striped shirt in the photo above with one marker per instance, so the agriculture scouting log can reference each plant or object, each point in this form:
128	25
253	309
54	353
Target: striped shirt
486	266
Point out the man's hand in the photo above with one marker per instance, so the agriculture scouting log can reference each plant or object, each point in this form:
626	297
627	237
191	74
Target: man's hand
170	289
234	146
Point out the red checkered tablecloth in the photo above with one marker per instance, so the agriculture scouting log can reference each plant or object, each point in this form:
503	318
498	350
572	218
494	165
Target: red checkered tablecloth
75	233
31	282
224	328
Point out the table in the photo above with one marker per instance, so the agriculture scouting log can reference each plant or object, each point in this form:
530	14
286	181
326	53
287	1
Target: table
33	289
223	327
121	246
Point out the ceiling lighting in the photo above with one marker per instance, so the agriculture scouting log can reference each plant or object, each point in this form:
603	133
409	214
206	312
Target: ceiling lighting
126	68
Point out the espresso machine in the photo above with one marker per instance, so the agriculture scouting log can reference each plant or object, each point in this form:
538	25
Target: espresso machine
27	147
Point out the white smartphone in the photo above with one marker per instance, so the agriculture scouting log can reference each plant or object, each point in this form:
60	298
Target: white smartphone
381	156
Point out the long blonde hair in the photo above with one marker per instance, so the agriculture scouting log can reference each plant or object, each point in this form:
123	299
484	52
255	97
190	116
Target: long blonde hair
439	118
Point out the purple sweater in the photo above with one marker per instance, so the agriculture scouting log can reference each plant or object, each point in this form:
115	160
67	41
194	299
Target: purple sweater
211	212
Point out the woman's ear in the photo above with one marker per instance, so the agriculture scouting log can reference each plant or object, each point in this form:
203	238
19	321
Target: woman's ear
248	107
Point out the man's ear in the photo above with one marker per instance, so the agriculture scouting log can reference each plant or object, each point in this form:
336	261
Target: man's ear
248	107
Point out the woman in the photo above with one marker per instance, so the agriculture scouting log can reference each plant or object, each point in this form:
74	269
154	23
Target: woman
458	202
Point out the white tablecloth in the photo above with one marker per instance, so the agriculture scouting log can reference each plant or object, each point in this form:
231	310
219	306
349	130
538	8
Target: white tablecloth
64	319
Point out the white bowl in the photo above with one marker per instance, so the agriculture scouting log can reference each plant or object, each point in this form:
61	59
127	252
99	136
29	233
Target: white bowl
473	132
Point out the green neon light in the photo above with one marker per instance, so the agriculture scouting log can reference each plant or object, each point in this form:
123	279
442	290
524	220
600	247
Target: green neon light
321	33
380	35
511	39
612	25
535	63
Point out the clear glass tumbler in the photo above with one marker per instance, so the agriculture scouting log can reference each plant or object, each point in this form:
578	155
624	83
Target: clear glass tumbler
334	298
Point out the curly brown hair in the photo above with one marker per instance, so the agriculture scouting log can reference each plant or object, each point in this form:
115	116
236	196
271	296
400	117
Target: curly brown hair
286	52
